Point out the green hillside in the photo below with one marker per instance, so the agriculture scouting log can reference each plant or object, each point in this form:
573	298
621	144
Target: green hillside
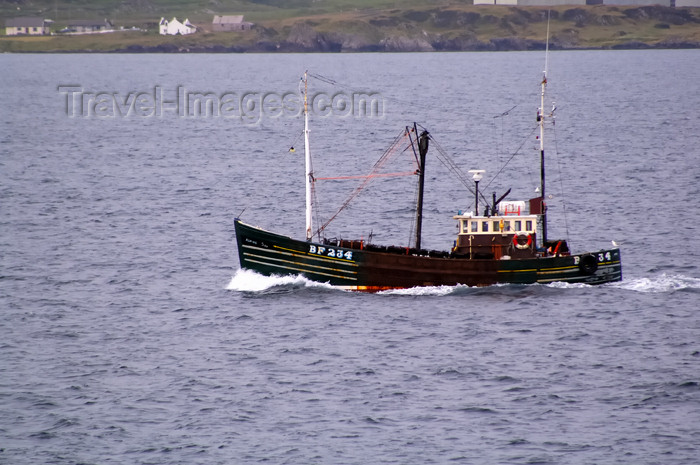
135	11
351	26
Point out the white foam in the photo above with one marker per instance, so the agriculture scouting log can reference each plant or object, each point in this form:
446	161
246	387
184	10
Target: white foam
565	285
659	284
250	281
427	290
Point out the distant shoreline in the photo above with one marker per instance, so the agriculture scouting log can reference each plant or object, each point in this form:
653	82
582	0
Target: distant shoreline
441	28
214	50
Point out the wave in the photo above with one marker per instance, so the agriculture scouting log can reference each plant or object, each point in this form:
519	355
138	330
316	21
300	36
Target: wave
250	281
427	290
660	284
514	290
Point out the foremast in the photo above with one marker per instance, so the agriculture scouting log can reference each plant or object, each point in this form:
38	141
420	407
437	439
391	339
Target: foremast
307	159
540	121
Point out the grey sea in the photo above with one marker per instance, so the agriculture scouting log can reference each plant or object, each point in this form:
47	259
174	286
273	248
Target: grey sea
128	334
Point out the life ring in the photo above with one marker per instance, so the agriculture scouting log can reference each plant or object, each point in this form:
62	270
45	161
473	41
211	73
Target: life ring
518	245
588	264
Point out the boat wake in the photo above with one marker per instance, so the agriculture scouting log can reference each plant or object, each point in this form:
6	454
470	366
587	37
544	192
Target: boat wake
501	289
250	281
427	290
664	283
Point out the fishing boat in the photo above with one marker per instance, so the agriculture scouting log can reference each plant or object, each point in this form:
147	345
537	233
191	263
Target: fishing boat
505	244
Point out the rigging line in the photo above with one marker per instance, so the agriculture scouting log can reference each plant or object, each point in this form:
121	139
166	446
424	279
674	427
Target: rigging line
335	83
413	146
363	176
502	147
546	51
507	112
387	153
317	207
449	163
314	197
314	193
502	116
294	142
383	159
511	157
451	166
324	79
561	186
412	232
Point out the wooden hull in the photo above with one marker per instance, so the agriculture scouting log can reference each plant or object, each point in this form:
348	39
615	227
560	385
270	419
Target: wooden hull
365	270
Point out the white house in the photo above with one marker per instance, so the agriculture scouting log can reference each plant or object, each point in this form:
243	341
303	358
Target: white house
176	27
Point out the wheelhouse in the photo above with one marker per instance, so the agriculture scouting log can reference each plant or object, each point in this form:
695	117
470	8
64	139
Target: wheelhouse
509	233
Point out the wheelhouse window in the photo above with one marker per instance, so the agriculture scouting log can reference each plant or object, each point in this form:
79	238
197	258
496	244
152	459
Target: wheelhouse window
518	225
528	225
496	226
485	226
475	226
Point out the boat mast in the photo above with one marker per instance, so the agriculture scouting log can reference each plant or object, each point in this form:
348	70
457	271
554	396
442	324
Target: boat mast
421	184
540	120
307	159
422	142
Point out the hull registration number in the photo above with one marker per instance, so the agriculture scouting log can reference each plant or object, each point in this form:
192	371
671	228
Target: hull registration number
330	252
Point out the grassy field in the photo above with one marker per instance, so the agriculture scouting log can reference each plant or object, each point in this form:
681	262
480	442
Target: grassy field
130	12
351	25
121	41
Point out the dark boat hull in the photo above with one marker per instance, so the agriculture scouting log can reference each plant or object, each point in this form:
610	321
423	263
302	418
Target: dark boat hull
365	270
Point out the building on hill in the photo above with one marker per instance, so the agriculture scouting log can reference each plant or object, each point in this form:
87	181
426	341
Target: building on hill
89	26
637	2
230	23
175	27
532	2
33	26
552	2
667	3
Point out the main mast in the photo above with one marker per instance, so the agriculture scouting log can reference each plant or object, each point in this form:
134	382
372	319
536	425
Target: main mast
540	120
307	158
423	143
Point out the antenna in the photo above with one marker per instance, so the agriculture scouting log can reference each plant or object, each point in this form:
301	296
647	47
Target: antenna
478	176
546	50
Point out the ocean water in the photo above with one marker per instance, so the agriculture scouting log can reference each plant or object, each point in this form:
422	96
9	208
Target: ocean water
129	335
